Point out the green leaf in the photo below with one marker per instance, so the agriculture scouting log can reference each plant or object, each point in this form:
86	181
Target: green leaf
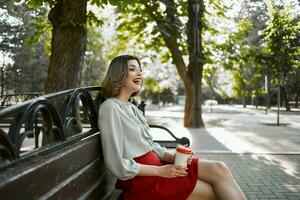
51	2
104	2
127	2
114	2
92	19
100	3
34	4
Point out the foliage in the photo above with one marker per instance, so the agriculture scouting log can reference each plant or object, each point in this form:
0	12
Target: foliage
240	60
282	41
266	43
28	69
95	64
28	44
163	96
282	49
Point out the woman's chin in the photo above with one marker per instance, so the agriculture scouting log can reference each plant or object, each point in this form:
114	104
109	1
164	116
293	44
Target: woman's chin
137	90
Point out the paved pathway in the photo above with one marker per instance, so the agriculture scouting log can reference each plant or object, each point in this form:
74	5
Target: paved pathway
264	159
263	176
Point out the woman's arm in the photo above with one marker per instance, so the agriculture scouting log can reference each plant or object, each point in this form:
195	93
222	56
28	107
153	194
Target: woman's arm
112	138
166	171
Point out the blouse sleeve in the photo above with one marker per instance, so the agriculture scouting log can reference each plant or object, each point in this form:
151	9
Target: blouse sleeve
111	132
159	150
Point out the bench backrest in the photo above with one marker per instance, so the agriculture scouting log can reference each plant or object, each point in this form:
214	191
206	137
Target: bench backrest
70	166
76	171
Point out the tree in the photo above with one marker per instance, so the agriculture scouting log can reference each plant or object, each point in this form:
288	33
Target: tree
282	45
69	37
158	78
68	44
239	59
266	43
95	64
159	24
28	69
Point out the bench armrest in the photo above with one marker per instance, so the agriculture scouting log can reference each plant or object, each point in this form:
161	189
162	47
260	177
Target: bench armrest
169	143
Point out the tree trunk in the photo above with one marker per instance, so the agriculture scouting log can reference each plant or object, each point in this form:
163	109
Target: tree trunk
196	60
189	119
189	106
285	99
256	99
68	44
168	27
244	101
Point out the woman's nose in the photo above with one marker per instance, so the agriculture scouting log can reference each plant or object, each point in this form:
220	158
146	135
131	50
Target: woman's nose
139	72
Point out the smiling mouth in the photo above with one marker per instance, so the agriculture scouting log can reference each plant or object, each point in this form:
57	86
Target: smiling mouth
138	81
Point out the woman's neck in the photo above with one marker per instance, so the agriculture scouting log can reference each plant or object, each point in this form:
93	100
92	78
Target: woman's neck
123	96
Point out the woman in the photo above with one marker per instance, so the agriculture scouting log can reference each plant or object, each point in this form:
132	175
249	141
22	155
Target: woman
136	160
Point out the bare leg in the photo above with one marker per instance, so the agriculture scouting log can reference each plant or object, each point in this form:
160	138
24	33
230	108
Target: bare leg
218	175
202	191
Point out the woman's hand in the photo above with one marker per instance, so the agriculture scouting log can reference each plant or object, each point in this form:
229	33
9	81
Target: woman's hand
172	171
189	161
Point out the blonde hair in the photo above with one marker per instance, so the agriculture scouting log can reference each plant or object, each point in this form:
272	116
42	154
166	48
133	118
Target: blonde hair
116	75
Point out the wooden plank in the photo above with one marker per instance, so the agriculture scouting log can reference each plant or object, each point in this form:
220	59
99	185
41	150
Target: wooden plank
66	173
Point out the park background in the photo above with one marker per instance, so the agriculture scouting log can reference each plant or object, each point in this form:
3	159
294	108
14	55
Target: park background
242	58
247	49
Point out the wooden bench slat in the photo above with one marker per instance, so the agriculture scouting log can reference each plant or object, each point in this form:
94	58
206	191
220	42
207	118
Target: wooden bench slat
65	174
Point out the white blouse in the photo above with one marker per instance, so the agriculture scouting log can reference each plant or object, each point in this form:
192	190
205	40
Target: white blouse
124	136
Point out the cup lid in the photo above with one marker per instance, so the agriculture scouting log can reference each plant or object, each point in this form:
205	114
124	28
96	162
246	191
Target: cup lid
183	149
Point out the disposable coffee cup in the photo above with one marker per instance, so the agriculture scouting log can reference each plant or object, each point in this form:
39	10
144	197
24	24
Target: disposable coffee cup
182	155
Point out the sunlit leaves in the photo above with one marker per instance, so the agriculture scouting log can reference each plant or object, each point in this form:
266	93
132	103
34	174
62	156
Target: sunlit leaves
41	27
39	3
34	3
92	19
280	36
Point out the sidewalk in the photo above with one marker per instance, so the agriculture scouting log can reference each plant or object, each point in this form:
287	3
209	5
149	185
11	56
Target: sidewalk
264	159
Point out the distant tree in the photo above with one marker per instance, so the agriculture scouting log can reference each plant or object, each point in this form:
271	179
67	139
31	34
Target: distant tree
282	47
95	64
28	71
164	96
238	59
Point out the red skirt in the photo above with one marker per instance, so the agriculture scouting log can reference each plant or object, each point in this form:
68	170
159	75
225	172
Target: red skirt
154	187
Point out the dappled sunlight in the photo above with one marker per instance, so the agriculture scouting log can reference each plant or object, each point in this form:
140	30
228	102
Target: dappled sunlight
254	142
202	141
289	166
234	143
165	114
263	176
242	133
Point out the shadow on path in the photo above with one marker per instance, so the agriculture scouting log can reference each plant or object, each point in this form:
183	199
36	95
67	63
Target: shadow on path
262	176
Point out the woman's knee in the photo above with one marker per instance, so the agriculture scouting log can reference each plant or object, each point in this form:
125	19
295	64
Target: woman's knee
221	169
213	171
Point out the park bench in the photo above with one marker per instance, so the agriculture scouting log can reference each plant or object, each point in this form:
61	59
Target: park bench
45	154
11	99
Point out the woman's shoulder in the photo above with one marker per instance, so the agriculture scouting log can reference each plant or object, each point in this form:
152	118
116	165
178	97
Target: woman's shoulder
109	104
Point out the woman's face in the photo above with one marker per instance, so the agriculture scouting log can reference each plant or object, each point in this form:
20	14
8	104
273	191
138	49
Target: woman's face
134	77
